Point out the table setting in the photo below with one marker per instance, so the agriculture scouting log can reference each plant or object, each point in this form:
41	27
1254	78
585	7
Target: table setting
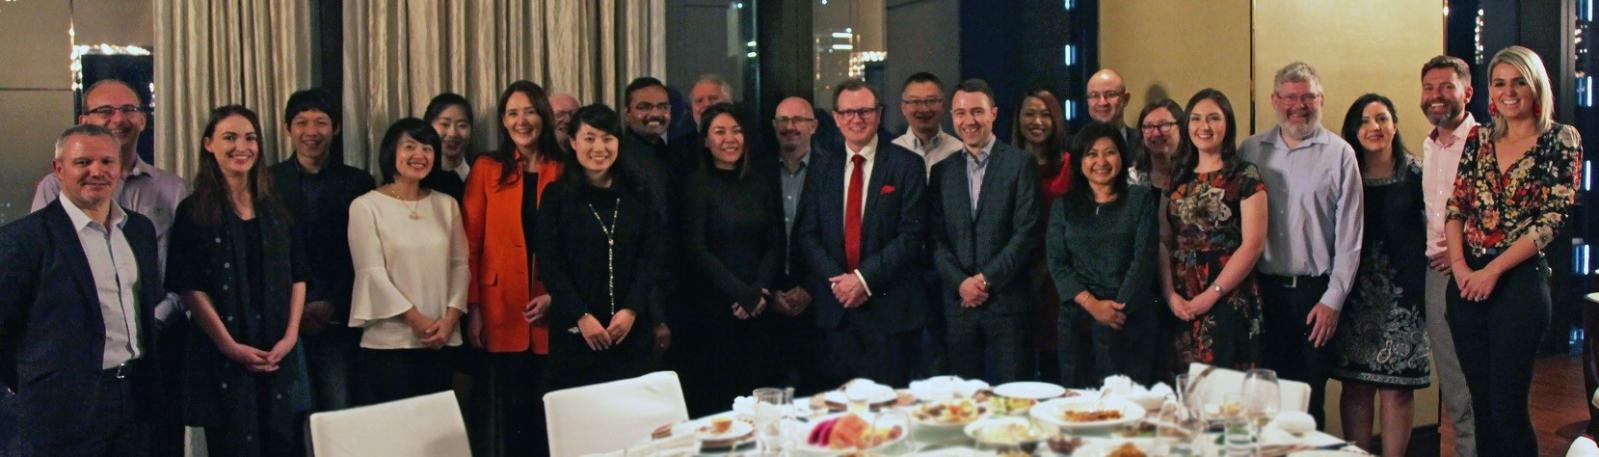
949	416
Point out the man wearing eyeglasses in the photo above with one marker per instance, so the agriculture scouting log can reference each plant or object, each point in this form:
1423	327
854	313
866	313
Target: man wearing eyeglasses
1107	102
1313	234
795	124
860	227
153	193
922	102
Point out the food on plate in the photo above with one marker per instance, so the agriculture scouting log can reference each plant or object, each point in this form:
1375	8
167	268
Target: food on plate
1015	453
1008	405
959	411
1007	433
850	431
1065	446
1094	415
1126	450
719	425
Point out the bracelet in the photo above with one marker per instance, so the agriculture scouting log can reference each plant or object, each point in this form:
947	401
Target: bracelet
1217	288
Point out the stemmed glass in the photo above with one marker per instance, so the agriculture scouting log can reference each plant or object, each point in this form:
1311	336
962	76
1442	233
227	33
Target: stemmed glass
1261	395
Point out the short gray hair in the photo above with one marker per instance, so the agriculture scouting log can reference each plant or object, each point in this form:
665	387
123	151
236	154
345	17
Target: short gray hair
727	89
81	130
1297	72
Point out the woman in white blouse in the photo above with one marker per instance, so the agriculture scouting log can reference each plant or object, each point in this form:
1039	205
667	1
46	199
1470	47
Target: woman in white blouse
411	273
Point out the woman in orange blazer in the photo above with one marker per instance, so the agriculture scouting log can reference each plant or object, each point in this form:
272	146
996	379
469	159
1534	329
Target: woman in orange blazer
506	299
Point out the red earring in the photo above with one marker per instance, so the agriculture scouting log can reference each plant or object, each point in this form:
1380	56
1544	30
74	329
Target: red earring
1537	110
1493	110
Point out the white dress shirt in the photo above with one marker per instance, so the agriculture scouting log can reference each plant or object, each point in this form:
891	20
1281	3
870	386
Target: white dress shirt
116	280
870	153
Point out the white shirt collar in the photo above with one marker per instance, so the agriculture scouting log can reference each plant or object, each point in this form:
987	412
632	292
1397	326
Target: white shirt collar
868	152
81	219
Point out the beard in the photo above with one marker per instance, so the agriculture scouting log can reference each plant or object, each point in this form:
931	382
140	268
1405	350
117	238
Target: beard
1299	131
1455	111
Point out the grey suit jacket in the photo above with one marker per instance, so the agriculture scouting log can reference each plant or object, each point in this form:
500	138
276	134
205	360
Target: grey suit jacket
1001	240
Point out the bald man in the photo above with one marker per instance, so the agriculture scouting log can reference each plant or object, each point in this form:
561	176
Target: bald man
1107	101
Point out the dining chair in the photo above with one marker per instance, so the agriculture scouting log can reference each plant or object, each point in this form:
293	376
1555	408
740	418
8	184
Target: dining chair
425	426
1583	447
610	416
1211	383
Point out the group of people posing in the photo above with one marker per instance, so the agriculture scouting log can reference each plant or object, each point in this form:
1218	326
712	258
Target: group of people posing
592	245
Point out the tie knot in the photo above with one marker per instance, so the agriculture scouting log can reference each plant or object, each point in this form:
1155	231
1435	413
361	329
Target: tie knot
857	159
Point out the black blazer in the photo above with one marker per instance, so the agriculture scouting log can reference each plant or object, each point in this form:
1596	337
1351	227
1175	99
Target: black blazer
327	243
1001	240
52	335
891	239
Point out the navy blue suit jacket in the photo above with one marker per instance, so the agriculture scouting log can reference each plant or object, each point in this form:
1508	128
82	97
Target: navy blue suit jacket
52	335
1001	241
892	243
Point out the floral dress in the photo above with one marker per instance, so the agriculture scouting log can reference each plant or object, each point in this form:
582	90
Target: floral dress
1207	225
1382	334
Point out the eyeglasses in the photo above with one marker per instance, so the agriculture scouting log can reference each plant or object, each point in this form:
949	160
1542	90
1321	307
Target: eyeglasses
1304	98
1163	127
647	107
792	120
922	103
862	113
1107	95
105	112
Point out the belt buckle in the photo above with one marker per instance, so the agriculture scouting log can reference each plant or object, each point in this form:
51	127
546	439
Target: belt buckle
122	371
1479	252
1293	282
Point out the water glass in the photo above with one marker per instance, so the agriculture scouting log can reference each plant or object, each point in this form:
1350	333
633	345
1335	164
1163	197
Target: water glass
1261	395
769	410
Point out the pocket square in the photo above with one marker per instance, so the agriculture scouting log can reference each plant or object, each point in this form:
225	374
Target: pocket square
885	190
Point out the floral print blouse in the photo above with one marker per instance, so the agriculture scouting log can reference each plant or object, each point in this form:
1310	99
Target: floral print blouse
1532	198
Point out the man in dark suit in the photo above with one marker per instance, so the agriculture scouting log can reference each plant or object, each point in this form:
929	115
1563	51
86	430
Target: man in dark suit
985	239
860	233
78	291
662	165
317	188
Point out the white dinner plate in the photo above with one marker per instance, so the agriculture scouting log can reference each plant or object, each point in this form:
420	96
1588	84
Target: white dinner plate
1103	448
1030	390
1052	412
884	396
700	429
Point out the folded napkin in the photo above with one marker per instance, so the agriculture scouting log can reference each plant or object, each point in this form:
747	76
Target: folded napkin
943	387
672	446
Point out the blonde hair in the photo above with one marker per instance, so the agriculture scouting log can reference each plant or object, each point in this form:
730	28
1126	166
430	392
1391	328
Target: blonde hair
1530	66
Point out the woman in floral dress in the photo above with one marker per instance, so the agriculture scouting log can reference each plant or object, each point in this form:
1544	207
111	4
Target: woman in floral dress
1212	235
1381	346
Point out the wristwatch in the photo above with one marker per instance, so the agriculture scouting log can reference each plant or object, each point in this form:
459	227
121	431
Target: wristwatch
1218	289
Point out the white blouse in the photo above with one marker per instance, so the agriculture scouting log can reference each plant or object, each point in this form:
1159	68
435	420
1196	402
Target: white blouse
403	262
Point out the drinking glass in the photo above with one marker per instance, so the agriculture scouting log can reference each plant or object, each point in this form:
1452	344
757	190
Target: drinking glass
769	410
1262	396
889	419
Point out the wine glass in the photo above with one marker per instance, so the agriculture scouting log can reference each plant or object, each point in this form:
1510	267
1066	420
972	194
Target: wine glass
886	421
1262	396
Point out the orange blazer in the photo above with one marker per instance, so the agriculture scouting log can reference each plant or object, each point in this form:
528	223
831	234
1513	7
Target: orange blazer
501	274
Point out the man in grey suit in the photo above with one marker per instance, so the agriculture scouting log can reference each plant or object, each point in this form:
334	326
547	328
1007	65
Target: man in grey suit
984	232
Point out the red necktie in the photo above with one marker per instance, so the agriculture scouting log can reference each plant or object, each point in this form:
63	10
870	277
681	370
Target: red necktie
852	213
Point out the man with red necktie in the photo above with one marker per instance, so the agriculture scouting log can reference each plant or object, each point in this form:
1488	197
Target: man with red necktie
860	234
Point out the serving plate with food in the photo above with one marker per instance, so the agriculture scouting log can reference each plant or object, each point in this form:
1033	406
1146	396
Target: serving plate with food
846	433
1115	448
1017	397
947	414
716	432
1005	433
1087	413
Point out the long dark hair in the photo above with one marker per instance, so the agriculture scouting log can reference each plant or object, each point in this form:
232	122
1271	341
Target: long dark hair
505	154
743	164
1352	123
412	127
210	195
1055	145
1188	155
1145	163
436	107
1081	194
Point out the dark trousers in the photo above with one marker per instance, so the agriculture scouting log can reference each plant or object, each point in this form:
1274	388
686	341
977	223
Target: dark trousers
166	430
115	429
1089	351
510	397
856	352
980	342
328	364
1497	340
397	374
799	361
1590	361
1286	302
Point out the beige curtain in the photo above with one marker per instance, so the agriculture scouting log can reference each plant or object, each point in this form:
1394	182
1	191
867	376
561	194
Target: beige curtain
210	53
398	54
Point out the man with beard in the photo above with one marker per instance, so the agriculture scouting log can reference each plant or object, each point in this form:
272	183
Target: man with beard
76	299
153	193
1314	231
922	102
1107	101
984	229
317	188
563	105
861	241
1445	90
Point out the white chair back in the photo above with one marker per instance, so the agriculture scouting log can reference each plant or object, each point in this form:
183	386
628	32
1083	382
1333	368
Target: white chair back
612	415
1295	394
1583	447
425	426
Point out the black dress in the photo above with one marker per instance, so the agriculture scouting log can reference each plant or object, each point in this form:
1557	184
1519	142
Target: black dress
243	268
1382	332
599	253
733	239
